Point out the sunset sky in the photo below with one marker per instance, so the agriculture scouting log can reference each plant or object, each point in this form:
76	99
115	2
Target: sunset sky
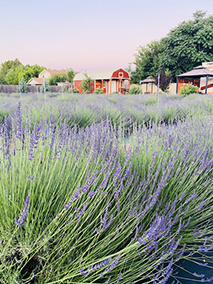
87	35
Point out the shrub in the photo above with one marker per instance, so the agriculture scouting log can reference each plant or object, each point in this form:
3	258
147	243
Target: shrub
22	88
98	91
189	89
87	84
45	87
54	79
135	90
73	91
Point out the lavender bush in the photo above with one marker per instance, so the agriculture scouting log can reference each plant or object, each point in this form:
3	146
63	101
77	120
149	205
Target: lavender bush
89	205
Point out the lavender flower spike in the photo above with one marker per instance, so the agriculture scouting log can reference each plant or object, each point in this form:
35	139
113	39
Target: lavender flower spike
23	213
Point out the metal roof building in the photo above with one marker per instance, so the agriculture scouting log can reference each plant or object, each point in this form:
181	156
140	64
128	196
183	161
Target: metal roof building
194	77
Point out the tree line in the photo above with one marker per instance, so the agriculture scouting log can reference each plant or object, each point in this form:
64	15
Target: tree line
13	71
185	47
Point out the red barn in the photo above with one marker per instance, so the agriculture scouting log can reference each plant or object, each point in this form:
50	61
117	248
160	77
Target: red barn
110	81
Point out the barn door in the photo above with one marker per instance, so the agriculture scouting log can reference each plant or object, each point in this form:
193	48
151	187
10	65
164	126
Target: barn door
113	86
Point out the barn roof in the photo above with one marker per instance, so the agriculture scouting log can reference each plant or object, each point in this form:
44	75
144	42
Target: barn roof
198	71
96	75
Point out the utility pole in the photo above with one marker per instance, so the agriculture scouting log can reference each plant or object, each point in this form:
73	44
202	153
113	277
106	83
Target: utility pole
158	97
44	88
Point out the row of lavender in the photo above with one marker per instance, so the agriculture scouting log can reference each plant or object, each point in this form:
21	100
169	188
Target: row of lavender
84	110
82	205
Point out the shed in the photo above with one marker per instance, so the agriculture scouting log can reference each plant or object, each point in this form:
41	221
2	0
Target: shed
110	81
194	77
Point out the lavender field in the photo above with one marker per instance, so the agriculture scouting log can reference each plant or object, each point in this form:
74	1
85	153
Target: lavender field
106	189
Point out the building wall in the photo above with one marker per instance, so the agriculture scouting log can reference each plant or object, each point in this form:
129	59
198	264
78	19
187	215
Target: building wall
172	88
182	82
44	74
149	88
77	85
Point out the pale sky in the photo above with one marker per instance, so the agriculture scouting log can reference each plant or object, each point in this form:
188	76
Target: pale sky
87	35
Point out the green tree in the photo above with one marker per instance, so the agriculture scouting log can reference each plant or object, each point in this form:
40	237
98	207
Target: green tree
70	75
134	90
87	84
29	71
17	72
147	60
45	87
188	45
11	77
22	88
6	67
60	77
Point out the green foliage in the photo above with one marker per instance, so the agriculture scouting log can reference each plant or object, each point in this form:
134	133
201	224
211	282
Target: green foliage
6	67
45	87
71	180
87	84
189	89
56	78
185	47
70	75
147	61
29	71
22	88
134	90
188	45
98	91
13	71
73	91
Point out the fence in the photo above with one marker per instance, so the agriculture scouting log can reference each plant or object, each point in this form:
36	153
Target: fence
9	89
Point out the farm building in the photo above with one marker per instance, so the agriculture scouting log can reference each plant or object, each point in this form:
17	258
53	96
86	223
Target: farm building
110	81
200	76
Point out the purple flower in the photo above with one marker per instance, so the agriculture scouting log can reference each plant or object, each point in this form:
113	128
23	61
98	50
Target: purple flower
23	213
30	177
95	267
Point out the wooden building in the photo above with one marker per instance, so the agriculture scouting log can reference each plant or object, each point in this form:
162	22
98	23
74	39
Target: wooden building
110	81
149	84
195	77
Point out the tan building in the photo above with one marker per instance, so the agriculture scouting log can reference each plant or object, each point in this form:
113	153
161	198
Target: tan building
45	74
35	82
48	73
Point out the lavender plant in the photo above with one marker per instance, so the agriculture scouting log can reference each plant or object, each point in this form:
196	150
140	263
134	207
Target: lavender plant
85	205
